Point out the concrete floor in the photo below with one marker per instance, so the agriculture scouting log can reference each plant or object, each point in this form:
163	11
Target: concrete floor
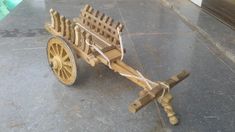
158	43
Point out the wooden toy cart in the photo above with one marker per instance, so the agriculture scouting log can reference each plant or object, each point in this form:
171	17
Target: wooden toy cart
96	38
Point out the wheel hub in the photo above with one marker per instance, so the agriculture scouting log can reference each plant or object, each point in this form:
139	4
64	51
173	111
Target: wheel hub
57	63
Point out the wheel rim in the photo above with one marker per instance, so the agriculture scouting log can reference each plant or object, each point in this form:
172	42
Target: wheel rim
61	60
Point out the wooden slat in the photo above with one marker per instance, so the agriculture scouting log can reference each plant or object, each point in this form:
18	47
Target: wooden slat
123	68
62	25
101	27
52	18
101	24
72	29
82	39
113	54
68	29
87	49
99	43
56	17
77	36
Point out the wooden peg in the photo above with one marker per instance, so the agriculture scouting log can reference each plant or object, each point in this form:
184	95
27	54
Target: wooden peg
105	19
52	18
86	8
121	27
166	104
87	49
67	31
72	31
62	25
77	36
101	16
117	24
96	13
82	39
56	17
110	21
90	10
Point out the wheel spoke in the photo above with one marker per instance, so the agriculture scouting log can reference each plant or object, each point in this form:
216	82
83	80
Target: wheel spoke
67	64
57	49
62	75
54	49
56	71
67	71
65	74
61	51
52	52
65	57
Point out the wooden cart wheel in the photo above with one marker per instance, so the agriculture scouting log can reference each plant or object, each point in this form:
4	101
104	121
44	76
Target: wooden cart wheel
62	60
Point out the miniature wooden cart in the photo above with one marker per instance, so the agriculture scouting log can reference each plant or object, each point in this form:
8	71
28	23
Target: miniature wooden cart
96	38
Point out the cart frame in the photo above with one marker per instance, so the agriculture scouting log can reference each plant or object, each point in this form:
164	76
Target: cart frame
96	38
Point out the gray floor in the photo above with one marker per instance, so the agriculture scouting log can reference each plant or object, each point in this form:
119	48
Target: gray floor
158	43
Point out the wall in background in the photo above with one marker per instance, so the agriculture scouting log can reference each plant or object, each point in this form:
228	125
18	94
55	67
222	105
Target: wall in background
197	2
224	10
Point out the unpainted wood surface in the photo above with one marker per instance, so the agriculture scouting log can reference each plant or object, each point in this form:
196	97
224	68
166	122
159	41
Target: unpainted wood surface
94	30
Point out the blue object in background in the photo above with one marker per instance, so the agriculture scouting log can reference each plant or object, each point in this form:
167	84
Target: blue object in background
6	6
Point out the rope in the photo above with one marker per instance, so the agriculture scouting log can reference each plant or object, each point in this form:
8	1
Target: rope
164	90
121	45
119	35
101	53
147	81
144	79
94	34
127	75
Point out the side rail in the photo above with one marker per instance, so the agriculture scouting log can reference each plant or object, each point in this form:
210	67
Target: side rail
91	31
76	35
104	25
